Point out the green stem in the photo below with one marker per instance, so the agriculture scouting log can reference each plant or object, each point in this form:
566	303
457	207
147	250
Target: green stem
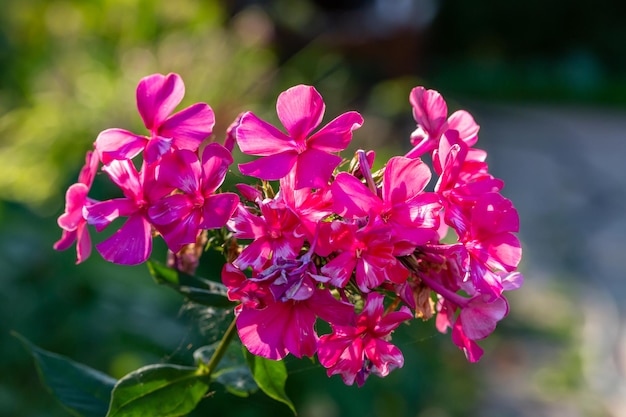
221	348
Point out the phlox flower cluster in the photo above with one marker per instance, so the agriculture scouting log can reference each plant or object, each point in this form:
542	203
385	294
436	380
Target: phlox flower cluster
318	238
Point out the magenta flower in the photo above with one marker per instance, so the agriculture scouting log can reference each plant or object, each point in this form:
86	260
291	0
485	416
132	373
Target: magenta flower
132	243
72	221
277	234
310	155
280	306
431	114
180	217
157	97
357	351
411	213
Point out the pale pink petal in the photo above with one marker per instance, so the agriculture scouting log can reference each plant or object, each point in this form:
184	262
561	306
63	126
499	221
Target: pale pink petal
314	168
351	198
119	144
429	110
189	127
464	123
257	137
272	167
215	162
218	209
480	317
300	109
157	97
130	245
75	199
336	135
511	281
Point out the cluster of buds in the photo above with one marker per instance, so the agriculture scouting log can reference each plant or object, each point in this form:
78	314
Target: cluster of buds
361	249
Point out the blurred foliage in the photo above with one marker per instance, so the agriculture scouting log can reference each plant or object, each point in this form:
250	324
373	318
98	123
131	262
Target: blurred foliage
68	70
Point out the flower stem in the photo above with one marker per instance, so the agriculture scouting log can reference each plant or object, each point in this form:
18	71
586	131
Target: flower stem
221	348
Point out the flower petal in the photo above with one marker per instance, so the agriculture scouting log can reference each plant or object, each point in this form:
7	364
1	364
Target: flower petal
314	168
270	168
157	97
257	137
215	162
217	210
336	135
300	109
351	198
130	245
119	144
189	127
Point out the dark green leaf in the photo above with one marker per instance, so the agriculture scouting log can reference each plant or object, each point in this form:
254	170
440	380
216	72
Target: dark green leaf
232	371
197	289
158	391
84	391
270	376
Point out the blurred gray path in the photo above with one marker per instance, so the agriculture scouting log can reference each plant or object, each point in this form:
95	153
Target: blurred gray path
565	170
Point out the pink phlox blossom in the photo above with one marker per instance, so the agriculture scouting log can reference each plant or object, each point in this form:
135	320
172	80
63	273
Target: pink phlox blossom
179	217
276	234
311	156
72	222
368	250
355	352
279	309
157	97
430	111
411	213
132	243
311	206
488	245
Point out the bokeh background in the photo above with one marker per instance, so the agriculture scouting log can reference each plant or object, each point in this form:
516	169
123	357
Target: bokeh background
546	80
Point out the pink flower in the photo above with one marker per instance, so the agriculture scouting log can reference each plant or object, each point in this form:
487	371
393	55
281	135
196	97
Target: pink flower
72	221
430	112
310	155
157	97
277	234
132	243
279	309
180	217
369	250
357	351
412	214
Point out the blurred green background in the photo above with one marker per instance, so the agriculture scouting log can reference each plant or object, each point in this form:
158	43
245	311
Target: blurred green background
68	70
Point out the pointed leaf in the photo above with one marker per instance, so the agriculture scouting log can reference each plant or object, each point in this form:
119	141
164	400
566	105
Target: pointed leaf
84	391
197	289
162	390
270	376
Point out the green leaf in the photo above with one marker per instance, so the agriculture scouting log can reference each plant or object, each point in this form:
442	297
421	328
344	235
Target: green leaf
84	391
270	376
197	289
158	391
232	371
